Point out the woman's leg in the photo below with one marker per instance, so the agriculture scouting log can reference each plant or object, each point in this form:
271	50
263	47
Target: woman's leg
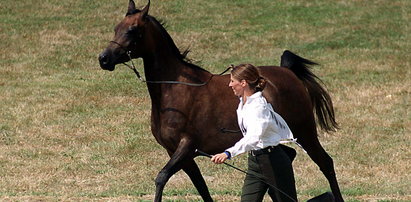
254	188
276	167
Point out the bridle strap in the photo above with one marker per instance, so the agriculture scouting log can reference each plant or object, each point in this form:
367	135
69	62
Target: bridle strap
133	67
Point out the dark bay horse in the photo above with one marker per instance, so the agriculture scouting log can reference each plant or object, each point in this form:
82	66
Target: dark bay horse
185	117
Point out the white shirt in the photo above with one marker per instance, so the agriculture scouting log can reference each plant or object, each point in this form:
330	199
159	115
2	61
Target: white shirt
260	125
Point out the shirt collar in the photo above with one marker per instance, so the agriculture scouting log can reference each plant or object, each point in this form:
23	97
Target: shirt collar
252	97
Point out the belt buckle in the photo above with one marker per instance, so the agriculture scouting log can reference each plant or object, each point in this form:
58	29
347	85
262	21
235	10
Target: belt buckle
252	153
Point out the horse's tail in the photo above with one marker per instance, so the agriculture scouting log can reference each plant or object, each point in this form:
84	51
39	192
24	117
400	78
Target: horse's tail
319	96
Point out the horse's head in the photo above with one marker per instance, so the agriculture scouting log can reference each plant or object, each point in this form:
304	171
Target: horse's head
128	39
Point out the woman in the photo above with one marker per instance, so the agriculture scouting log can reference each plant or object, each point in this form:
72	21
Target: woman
263	130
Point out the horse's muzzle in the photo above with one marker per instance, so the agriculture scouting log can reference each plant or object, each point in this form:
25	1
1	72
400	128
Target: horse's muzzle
105	62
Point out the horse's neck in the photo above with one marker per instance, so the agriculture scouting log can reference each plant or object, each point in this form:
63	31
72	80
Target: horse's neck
160	68
164	63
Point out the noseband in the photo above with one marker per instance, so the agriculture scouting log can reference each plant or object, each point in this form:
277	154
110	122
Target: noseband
128	52
133	67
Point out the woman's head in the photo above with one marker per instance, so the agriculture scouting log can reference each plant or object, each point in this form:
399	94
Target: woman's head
247	75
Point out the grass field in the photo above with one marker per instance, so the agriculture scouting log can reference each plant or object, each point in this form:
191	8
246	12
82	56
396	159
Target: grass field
70	131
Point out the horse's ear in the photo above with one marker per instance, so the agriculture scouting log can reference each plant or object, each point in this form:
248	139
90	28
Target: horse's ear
131	7
145	10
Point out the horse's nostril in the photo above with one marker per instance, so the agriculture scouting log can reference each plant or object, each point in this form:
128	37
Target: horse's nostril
103	58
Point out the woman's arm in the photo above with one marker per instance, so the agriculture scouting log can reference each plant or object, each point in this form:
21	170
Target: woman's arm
256	120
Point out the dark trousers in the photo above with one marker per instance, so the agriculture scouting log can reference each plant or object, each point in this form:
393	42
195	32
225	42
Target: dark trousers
270	171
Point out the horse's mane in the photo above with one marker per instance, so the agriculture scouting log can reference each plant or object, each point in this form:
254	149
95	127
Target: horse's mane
180	55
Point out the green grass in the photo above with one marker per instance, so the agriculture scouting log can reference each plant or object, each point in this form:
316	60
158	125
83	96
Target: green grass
71	131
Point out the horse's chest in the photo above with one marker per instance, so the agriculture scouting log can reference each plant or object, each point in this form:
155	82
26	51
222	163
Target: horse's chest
171	123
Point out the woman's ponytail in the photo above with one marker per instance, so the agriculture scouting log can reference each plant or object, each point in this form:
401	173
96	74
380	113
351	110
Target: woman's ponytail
260	84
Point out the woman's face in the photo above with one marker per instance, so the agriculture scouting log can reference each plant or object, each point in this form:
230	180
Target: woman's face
237	86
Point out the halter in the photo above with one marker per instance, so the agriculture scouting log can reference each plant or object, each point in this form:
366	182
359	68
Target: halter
133	67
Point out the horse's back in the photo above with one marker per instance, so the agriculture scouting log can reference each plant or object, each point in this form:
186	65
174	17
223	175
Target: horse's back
289	97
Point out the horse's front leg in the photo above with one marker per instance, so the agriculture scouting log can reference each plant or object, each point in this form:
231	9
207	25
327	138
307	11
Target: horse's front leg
194	173
183	153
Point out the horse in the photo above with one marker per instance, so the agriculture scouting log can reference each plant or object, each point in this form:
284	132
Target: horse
192	108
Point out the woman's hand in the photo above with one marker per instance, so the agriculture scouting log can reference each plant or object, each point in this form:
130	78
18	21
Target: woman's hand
219	158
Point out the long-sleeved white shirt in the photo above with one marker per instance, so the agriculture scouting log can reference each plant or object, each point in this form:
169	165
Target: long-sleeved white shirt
260	125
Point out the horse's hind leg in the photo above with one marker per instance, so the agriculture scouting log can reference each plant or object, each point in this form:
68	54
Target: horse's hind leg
325	162
192	170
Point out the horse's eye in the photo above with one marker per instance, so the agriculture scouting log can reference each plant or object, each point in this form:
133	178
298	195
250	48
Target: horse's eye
134	32
132	29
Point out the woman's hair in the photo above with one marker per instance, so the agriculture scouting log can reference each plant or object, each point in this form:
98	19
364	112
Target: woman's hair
250	74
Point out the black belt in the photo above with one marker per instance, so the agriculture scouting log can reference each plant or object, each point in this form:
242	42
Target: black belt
262	151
